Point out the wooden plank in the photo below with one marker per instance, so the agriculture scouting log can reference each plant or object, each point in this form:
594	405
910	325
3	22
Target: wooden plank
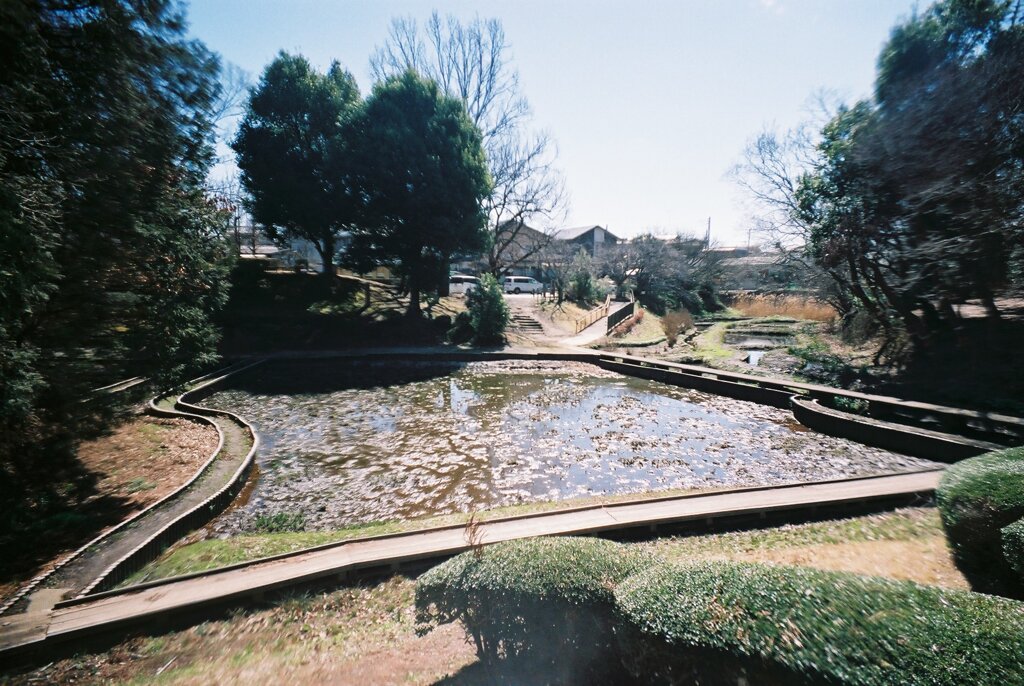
217	588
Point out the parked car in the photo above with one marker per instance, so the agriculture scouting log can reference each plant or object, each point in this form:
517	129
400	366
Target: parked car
461	283
522	284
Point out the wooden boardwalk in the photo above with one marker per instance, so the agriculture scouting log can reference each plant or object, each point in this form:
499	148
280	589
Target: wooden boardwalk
205	592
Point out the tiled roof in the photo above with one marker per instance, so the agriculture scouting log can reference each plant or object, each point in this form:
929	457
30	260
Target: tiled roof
576	232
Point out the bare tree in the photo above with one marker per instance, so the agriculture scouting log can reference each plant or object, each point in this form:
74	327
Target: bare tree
229	196
228	108
470	61
770	171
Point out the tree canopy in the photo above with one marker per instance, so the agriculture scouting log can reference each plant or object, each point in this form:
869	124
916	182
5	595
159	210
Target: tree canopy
470	61
913	202
421	173
112	258
296	177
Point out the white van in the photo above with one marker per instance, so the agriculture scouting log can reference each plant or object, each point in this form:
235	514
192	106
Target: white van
459	284
522	284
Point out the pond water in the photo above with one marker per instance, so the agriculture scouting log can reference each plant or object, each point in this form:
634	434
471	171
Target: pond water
346	442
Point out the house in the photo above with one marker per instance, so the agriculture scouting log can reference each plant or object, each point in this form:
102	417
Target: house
591	238
530	252
516	244
253	244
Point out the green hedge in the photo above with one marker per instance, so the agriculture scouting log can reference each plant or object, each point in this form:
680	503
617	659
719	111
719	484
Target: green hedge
592	611
550	600
820	627
977	498
1013	546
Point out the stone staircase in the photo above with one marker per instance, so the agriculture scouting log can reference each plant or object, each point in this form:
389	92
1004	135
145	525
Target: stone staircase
520	321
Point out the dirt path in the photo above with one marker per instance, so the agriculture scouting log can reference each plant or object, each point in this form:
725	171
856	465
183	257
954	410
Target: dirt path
554	332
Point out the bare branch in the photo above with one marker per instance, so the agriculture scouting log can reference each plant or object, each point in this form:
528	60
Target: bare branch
470	62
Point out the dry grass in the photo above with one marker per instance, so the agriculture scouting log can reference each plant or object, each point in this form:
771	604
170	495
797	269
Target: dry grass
563	316
135	465
904	544
360	634
795	306
146	458
673	322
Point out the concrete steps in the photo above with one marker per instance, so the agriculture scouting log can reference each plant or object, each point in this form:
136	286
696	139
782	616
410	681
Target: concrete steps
525	323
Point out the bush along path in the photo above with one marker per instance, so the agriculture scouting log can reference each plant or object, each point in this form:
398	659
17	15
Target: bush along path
195	594
535	608
982	505
122	549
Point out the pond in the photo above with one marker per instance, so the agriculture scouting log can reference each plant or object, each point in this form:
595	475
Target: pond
345	442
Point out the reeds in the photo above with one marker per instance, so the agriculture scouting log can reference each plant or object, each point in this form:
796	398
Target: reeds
795	306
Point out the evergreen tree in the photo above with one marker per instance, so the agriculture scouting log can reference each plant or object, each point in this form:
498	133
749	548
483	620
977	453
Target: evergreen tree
422	173
293	167
110	252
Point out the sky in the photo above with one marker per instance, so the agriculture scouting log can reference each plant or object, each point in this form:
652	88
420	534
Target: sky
650	102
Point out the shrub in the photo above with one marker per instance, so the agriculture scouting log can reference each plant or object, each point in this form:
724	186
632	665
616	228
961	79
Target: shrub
624	327
279	522
462	329
1013	546
545	600
673	322
851	405
977	498
796	625
488	311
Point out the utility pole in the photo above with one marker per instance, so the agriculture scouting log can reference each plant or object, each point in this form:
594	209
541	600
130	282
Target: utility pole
707	236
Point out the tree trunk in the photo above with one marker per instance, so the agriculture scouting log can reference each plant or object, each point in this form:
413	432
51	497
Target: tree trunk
367	295
326	256
414	302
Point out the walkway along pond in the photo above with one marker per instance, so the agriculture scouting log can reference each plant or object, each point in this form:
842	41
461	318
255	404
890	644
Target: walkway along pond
345	442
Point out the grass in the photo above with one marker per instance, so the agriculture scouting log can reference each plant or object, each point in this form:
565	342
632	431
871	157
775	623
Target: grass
366	633
795	306
214	553
907	544
710	346
901	525
820	363
139	484
645	332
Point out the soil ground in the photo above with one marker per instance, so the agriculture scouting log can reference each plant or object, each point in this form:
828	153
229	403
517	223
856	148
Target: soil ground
366	633
135	465
147	458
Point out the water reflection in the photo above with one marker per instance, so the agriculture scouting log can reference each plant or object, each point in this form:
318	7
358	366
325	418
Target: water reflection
348	442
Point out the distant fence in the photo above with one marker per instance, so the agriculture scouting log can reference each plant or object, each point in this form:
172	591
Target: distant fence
597	313
618	316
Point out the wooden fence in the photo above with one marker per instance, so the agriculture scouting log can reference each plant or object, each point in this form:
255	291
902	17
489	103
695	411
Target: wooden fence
598	312
620	315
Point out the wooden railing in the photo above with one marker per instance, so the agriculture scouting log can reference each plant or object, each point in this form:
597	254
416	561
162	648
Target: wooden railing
598	312
620	315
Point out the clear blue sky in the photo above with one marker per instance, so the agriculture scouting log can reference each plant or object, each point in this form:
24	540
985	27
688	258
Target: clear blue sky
650	102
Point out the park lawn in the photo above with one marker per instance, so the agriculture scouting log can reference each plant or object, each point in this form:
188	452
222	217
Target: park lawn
365	633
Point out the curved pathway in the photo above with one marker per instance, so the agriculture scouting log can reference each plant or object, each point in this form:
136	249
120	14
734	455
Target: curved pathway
118	551
196	594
